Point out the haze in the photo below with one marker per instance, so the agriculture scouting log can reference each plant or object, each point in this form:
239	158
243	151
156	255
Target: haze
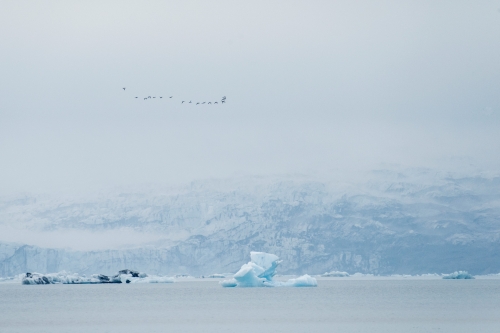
311	86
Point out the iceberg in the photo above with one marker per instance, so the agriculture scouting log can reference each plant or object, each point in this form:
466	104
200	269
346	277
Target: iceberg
153	279
301	281
458	275
362	275
7	279
214	276
65	278
335	274
260	271
123	276
131	272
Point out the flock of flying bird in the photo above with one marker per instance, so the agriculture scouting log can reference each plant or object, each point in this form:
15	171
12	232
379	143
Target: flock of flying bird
222	101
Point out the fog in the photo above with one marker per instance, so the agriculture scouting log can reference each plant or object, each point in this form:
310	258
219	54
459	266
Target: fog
311	86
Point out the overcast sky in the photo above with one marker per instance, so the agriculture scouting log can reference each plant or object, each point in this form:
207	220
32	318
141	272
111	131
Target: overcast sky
310	86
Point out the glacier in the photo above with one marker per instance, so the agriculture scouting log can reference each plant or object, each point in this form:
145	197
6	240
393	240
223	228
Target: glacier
385	222
260	272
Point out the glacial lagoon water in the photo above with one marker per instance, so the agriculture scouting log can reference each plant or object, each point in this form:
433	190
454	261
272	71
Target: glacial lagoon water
336	305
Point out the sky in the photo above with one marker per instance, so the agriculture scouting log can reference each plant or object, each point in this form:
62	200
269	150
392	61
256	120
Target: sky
311	86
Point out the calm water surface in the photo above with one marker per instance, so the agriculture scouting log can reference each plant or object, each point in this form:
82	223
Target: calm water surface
338	305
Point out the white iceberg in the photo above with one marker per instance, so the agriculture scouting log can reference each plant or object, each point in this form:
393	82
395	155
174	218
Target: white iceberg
152	279
7	279
259	272
335	274
458	275
214	276
358	275
301	281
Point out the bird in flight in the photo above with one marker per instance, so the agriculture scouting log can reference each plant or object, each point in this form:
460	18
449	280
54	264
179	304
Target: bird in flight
222	101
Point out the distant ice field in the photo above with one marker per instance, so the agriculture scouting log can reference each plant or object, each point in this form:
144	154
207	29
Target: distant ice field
342	304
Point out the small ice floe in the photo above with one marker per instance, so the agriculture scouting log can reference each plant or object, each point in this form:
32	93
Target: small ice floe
458	275
362	275
429	275
123	276
335	274
130	276
259	272
153	279
7	279
213	276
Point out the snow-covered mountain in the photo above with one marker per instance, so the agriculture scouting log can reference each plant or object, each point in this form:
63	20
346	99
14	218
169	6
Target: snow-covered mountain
383	222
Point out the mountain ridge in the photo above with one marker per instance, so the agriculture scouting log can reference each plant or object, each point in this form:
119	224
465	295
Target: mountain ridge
388	223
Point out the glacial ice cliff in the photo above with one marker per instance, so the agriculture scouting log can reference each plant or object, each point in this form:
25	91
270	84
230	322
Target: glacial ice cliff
405	222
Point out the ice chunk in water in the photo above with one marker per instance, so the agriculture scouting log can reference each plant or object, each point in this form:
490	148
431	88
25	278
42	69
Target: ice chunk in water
214	276
302	281
123	276
65	278
259	272
458	275
335	274
153	279
228	283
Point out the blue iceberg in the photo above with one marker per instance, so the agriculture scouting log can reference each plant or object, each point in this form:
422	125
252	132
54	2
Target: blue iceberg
260	271
458	275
